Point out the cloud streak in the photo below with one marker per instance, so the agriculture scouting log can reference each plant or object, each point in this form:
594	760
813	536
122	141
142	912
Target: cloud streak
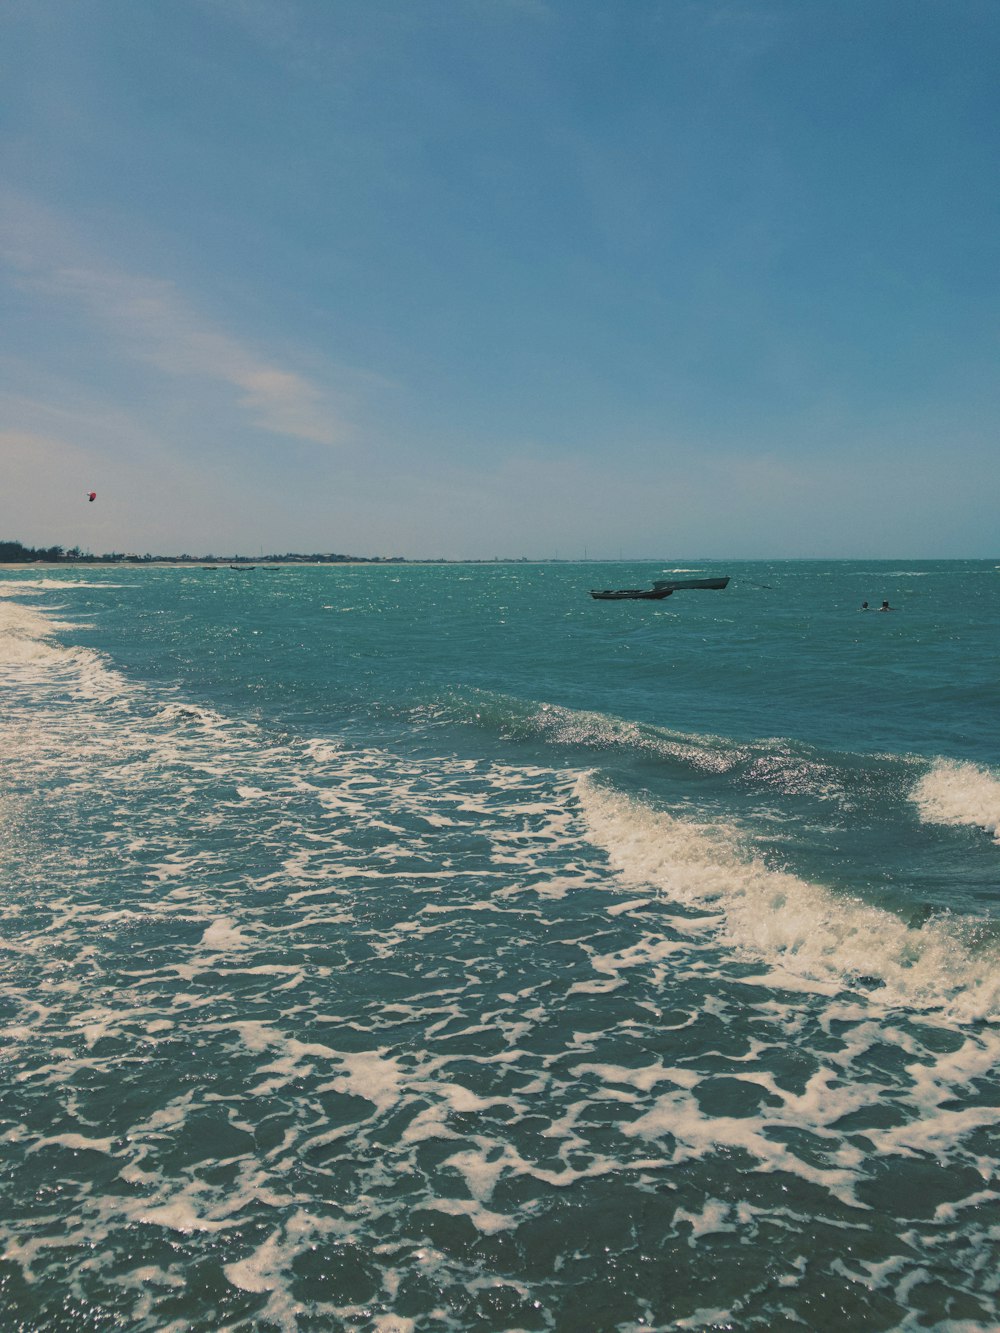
150	321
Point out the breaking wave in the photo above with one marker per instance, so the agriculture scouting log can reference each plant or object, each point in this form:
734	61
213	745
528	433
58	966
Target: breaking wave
800	930
960	793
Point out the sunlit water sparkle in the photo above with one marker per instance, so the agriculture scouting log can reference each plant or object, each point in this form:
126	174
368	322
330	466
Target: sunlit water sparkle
436	948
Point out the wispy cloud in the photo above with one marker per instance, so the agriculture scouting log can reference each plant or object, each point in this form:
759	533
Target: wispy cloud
150	320
162	330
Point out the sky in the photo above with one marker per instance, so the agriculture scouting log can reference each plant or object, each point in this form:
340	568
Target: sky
477	278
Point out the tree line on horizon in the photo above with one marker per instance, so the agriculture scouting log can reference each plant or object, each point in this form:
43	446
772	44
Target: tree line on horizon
15	552
12	553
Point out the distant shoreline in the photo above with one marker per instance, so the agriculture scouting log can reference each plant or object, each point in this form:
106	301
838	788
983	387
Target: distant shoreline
115	561
274	562
267	562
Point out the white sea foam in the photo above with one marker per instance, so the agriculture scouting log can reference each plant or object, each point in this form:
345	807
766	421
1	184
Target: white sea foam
30	653
15	587
365	1114
715	1217
180	1215
489	1223
262	1270
799	929
223	935
959	793
709	1317
74	1142
677	1116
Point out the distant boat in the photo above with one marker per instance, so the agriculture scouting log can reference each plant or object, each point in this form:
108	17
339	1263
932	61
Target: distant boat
674	584
622	594
661	588
243	569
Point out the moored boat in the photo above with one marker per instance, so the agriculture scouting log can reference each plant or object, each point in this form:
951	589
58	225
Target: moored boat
621	594
674	584
661	588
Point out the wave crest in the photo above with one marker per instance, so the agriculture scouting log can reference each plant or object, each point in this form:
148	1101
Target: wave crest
797	928
959	793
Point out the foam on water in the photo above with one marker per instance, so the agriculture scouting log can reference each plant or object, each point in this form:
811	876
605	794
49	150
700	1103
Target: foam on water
954	793
17	587
306	1033
31	653
797	928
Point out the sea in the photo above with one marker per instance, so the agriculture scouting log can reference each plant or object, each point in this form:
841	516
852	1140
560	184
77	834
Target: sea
404	947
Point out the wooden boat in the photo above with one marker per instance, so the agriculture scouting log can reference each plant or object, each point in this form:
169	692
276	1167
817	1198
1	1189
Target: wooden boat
661	588
674	584
621	594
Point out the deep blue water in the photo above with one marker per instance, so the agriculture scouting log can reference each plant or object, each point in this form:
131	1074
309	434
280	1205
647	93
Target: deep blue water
414	947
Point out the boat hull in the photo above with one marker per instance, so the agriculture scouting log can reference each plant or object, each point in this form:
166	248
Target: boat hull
631	594
674	584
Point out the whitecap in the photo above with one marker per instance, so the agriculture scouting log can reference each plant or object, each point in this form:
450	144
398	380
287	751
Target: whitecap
801	930
959	793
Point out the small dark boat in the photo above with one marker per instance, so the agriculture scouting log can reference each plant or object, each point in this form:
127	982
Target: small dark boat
674	584
660	588
243	569
622	594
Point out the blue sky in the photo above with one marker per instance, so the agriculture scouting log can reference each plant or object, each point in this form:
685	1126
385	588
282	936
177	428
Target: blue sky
501	277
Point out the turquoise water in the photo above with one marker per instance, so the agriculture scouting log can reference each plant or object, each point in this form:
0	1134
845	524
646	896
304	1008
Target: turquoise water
403	948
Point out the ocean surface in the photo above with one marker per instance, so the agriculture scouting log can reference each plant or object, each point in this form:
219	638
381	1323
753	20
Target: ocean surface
409	948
